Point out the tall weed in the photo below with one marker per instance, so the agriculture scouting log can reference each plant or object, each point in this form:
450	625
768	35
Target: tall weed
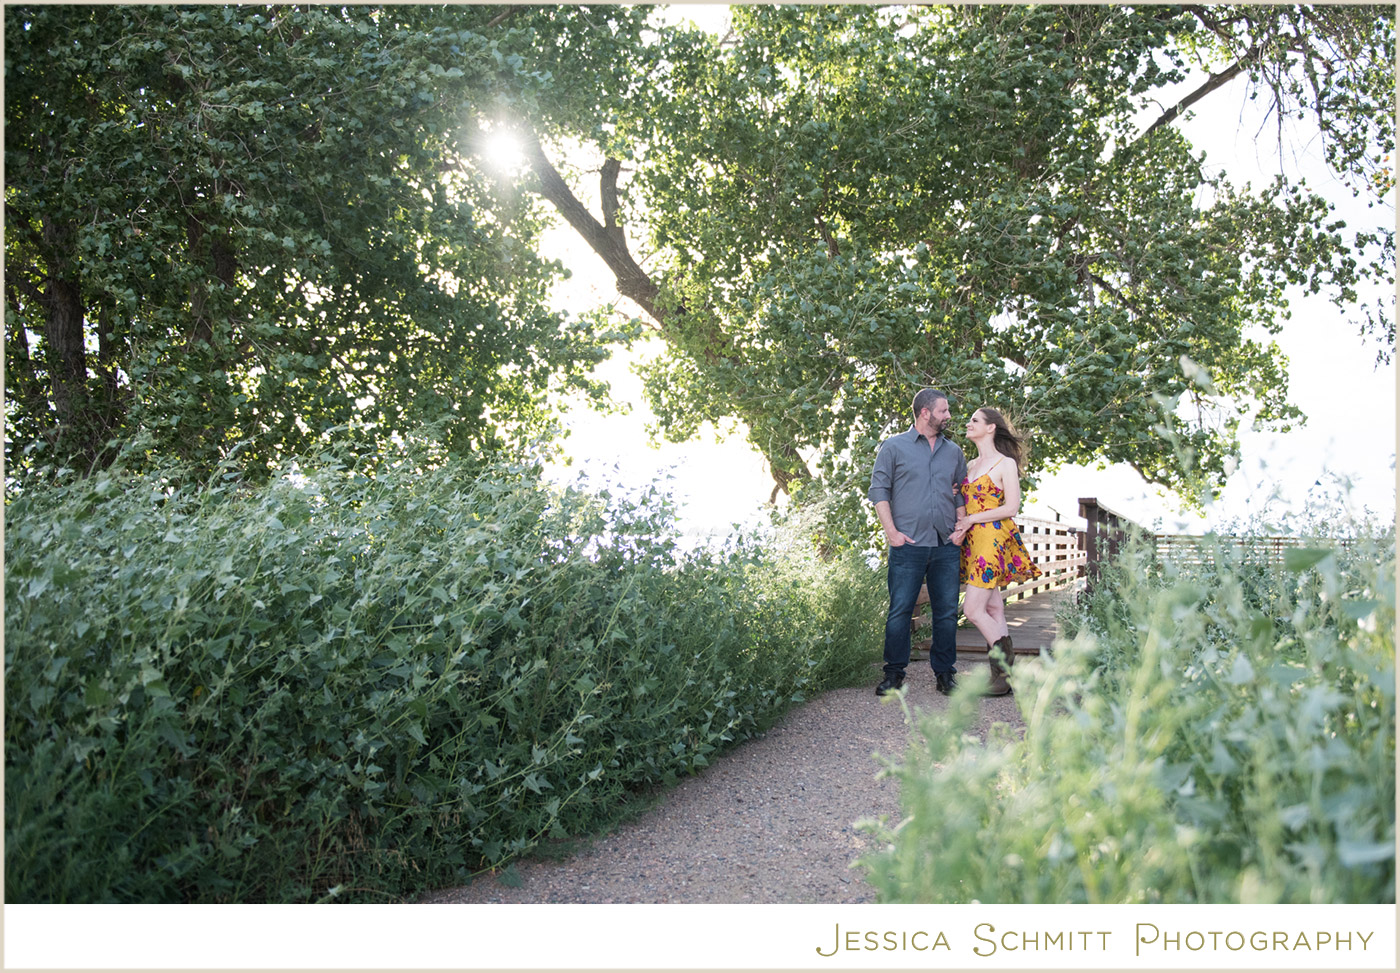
1217	733
363	687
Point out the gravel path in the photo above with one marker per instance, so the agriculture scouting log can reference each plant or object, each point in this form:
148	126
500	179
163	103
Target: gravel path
771	821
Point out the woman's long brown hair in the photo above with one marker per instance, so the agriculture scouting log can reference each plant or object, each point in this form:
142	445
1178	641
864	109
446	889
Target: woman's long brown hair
1007	440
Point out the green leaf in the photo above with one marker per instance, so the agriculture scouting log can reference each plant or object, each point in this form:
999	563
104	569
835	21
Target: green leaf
1241	671
1359	608
1353	853
1302	558
40	584
1295	816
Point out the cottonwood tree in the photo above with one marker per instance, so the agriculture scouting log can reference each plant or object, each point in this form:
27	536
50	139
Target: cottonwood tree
832	206
264	227
255	229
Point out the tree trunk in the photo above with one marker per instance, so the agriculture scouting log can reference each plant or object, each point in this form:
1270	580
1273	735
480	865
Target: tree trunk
67	359
224	266
108	348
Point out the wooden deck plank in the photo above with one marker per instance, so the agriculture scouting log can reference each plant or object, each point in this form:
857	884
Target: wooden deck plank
1030	622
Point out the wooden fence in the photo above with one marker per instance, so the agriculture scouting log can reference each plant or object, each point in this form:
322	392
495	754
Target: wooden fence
1106	531
1267	549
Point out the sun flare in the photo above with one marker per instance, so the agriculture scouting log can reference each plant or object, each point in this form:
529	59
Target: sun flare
503	150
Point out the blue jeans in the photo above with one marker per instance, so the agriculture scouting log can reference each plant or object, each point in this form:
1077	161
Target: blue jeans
910	568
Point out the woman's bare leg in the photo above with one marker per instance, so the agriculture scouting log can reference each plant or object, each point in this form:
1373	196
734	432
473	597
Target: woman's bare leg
996	611
975	604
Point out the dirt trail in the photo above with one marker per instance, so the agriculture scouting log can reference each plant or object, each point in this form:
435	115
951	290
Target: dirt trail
772	821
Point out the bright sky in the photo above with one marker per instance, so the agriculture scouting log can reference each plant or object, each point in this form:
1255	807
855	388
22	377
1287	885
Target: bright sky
1349	436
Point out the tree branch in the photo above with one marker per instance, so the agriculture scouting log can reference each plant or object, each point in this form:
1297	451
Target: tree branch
607	241
1114	291
18	219
500	18
1161	481
1211	84
831	249
18	283
607	191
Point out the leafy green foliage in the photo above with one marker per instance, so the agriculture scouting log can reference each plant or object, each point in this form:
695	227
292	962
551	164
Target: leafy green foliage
373	684
260	226
846	203
1218	733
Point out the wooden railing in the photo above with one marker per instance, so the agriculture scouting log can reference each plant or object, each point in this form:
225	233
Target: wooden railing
1105	531
1056	548
1267	549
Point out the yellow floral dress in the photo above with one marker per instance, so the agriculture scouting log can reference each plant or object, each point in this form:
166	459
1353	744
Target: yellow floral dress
993	554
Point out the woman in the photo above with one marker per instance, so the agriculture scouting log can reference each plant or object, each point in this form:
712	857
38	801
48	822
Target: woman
992	552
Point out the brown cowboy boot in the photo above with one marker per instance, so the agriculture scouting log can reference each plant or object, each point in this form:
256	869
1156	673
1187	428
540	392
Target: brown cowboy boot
1004	643
999	686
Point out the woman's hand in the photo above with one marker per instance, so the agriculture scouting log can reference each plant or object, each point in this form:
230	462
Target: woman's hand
957	535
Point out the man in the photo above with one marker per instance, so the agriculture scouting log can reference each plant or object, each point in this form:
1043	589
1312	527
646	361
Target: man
916	489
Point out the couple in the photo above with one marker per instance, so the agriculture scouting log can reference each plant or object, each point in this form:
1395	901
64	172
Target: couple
949	522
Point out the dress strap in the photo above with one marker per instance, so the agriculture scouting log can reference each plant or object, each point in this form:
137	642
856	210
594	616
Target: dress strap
990	468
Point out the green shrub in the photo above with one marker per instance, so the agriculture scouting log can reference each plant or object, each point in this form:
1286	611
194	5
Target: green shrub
1220	733
373	686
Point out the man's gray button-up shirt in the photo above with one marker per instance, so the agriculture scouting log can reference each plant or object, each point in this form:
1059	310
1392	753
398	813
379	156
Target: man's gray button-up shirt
923	486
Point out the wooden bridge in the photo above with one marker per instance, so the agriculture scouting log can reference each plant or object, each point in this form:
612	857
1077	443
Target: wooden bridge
1058	550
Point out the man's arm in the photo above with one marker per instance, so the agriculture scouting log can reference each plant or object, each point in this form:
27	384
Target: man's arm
896	538
881	489
959	506
959	512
